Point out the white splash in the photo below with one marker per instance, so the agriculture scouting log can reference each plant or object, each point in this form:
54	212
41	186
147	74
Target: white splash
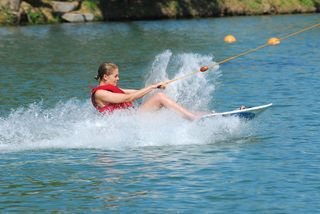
75	124
199	86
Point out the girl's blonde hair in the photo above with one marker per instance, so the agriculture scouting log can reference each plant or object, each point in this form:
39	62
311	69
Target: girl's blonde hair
105	68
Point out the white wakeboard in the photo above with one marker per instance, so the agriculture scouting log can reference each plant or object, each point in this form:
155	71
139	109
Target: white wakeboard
247	113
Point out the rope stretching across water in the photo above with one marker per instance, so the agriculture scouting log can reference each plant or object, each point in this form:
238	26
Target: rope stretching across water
271	42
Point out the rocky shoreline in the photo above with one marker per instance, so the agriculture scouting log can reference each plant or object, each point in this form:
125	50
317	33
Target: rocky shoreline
19	12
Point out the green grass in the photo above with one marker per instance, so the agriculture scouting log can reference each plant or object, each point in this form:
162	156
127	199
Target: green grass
35	17
308	3
91	5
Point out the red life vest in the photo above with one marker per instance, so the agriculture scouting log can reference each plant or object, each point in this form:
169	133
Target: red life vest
111	106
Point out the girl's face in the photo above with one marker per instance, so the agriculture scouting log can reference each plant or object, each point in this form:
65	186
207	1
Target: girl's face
113	78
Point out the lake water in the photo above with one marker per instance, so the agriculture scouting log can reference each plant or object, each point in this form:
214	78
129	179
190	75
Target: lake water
58	155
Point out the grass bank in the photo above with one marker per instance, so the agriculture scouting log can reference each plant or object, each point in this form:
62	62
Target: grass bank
40	11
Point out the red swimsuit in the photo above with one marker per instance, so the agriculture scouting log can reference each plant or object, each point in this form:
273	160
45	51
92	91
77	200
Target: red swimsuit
111	106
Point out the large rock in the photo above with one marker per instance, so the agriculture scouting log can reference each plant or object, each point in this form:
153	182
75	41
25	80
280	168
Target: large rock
64	7
11	4
47	12
78	17
9	11
25	6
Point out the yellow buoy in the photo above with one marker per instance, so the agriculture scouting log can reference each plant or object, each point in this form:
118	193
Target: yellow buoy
229	39
274	41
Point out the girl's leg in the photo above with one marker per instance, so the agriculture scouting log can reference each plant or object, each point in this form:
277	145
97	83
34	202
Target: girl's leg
161	100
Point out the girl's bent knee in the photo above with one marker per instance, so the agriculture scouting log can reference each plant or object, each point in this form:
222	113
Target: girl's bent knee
160	95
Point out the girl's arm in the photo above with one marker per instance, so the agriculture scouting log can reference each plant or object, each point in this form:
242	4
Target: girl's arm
129	91
129	96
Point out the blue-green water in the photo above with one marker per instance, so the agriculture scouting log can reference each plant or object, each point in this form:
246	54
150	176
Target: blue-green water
58	155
